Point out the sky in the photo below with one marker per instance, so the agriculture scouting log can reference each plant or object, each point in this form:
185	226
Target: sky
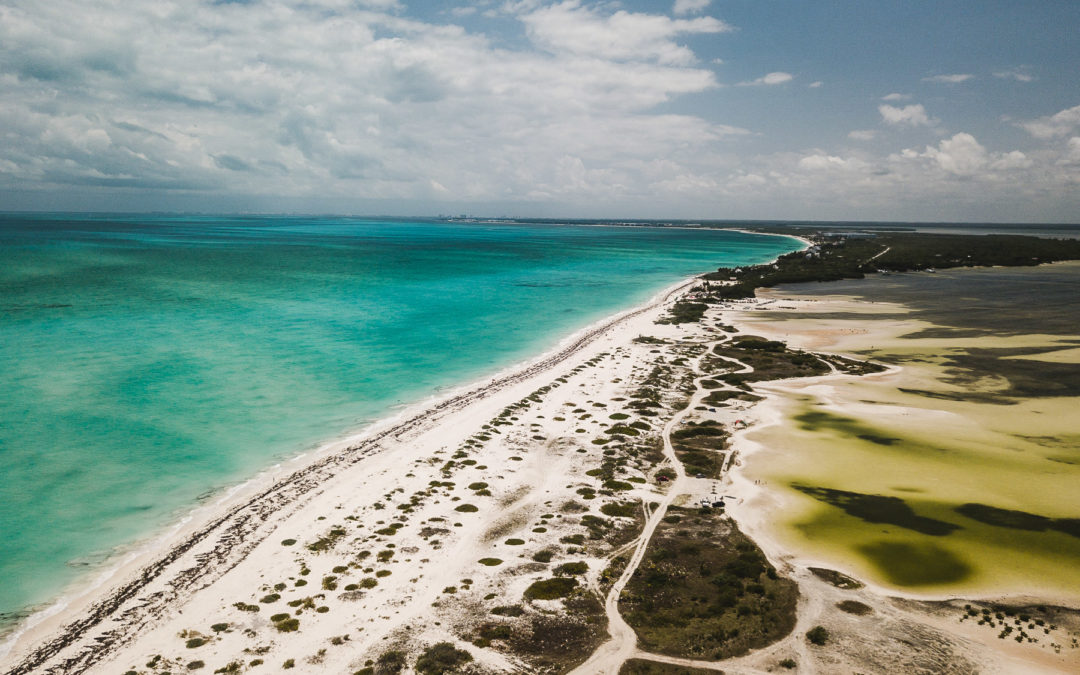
898	110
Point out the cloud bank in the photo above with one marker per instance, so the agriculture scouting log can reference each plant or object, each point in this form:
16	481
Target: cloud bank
589	110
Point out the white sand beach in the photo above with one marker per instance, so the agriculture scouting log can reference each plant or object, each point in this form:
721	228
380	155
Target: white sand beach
412	534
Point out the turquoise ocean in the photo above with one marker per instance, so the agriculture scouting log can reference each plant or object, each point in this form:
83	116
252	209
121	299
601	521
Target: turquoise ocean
149	362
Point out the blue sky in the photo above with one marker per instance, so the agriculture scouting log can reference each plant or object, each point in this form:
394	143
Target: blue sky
729	109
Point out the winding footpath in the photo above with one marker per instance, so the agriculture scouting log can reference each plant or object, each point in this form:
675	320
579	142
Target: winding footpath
610	656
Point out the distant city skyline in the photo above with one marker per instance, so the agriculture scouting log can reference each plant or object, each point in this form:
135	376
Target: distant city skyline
724	110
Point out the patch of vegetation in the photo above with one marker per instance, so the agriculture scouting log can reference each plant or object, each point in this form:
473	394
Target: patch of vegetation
685	311
836	579
854	607
546	555
698	446
327	541
713	601
551	589
571	569
817	635
643	667
620	509
852	258
466	508
770	360
490	562
508	610
288	625
514	542
556	642
390	663
441	658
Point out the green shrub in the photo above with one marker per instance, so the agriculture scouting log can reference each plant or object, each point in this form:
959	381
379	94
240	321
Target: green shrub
442	658
195	665
571	569
788	663
218	627
288	625
543	556
817	635
288	542
514	542
273	597
551	589
390	663
195	642
490	562
467	508
508	610
620	509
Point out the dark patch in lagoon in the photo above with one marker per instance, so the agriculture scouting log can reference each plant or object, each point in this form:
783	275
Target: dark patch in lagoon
1019	520
906	564
879	509
815	420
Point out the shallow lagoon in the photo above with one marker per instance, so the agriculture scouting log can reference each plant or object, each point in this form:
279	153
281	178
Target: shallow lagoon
959	473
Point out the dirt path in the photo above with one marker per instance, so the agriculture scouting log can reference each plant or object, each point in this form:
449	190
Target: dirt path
611	655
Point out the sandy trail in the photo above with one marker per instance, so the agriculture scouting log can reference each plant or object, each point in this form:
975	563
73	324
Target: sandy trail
609	658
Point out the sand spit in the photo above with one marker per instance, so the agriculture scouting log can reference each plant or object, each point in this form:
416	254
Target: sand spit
496	532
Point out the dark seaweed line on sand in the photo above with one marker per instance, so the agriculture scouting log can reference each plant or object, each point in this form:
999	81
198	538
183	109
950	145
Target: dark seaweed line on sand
239	528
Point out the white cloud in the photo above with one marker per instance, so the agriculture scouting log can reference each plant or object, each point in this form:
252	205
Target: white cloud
909	115
569	27
1012	160
862	135
353	104
1072	153
896	97
824	162
769	80
815	85
960	155
1053	126
949	79
1020	74
689	6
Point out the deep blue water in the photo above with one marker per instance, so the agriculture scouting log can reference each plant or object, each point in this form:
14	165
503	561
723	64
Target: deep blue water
148	360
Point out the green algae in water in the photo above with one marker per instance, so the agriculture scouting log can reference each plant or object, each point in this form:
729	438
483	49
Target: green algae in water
879	509
916	564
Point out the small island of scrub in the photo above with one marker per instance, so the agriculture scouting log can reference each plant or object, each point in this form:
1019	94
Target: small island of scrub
853	255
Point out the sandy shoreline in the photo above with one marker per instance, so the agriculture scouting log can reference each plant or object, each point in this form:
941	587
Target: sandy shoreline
406	535
219	536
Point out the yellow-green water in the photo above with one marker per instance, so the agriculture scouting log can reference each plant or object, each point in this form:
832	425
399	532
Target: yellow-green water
961	473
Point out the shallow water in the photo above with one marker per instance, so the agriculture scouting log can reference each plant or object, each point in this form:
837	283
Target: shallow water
960	473
150	360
